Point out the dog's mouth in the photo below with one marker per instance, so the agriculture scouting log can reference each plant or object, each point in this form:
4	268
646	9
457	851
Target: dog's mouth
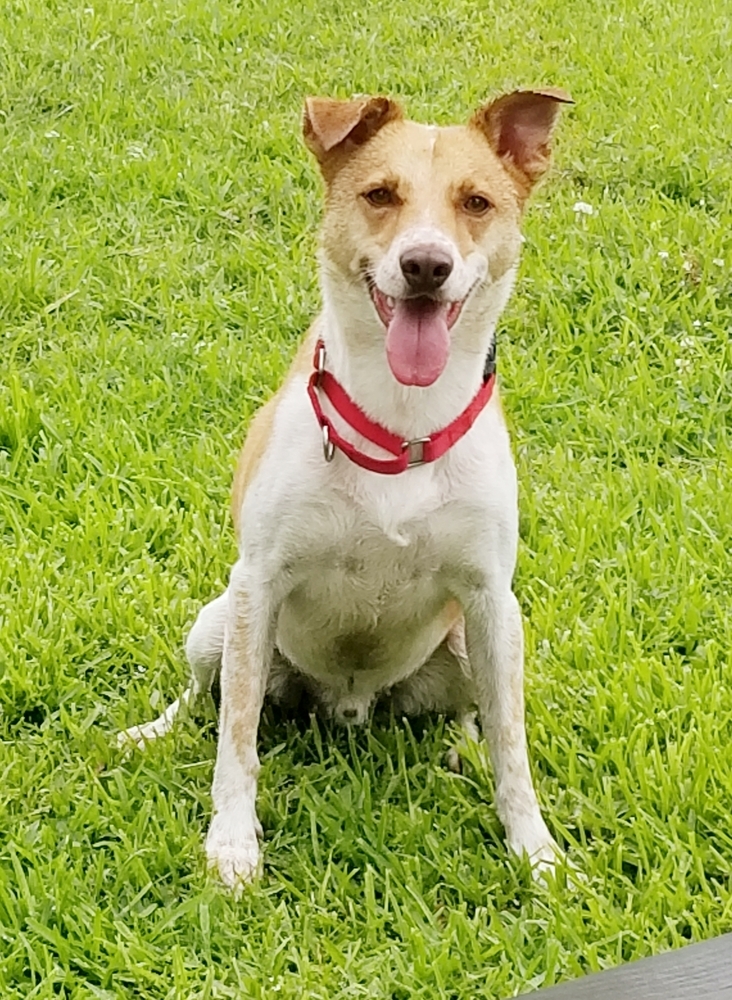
417	335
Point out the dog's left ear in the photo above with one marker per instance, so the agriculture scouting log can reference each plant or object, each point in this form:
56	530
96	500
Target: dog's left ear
518	127
330	126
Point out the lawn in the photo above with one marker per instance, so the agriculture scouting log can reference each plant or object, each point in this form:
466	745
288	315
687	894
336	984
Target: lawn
157	230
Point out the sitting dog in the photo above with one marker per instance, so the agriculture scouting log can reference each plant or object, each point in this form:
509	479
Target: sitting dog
375	499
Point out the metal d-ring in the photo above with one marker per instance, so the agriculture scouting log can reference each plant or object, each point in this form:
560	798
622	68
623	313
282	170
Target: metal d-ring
328	445
320	364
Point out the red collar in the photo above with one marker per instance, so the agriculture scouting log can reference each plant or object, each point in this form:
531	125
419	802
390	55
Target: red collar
407	453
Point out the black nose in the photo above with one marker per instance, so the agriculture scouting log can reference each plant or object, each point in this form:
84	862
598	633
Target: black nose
349	713
425	268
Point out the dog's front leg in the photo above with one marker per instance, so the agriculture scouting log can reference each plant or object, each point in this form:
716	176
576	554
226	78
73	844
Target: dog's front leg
495	650
232	844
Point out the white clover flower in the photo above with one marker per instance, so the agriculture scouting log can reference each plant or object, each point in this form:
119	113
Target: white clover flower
582	208
136	151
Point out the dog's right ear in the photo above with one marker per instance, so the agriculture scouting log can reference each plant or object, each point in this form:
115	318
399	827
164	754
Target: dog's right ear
519	127
331	127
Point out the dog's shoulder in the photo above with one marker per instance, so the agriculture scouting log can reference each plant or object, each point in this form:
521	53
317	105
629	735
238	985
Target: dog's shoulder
260	429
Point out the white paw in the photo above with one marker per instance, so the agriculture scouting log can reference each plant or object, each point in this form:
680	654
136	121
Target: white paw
534	840
233	850
550	860
545	859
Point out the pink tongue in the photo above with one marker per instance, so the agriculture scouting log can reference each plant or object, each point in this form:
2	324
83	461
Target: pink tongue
418	341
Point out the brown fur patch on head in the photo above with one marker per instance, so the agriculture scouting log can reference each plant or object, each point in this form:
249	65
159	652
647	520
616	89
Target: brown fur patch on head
518	127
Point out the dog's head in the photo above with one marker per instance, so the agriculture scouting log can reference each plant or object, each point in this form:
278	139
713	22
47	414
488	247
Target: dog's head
422	222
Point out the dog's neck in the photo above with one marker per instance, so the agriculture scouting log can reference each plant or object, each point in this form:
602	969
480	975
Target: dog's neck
354	339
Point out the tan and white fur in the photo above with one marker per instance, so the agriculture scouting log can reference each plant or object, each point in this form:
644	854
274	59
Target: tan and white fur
360	585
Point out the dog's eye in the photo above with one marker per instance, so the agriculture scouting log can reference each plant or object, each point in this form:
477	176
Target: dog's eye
379	197
476	204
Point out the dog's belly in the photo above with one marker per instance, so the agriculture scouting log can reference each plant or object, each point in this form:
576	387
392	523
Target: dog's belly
366	621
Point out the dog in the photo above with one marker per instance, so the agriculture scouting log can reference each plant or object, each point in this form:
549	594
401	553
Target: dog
375	499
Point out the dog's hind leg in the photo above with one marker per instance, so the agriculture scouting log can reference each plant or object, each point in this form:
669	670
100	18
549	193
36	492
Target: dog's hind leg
468	723
204	649
205	645
443	684
465	718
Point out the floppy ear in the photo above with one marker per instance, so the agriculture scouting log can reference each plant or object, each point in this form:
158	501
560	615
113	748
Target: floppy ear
519	126
331	126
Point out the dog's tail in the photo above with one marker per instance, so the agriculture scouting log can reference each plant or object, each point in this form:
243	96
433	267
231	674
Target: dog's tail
204	649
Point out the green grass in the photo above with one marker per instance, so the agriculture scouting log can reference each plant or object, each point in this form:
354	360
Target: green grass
157	232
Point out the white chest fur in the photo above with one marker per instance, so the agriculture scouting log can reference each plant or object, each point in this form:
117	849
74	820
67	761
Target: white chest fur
367	563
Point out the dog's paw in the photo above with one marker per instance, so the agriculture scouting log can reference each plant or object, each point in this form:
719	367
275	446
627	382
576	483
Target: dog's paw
537	844
550	862
453	762
545	859
236	865
232	849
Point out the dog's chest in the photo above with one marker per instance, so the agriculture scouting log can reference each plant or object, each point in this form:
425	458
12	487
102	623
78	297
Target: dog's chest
365	565
368	585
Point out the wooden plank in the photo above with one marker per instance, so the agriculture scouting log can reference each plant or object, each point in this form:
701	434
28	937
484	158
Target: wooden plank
697	972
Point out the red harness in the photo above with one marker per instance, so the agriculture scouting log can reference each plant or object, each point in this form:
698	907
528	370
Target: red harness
407	453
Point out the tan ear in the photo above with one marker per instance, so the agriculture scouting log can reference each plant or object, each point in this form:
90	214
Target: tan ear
519	126
328	124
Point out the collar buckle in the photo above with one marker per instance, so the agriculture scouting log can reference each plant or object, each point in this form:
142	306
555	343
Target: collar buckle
415	451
